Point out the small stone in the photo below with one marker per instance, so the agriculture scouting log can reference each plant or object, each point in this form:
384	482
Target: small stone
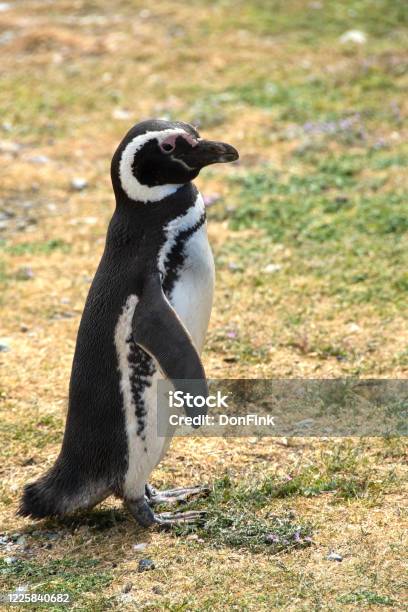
145	565
9	147
333	556
128	587
139	547
271	268
39	159
126	598
79	184
233	266
7	37
5	215
121	114
10	560
22	541
4	345
353	36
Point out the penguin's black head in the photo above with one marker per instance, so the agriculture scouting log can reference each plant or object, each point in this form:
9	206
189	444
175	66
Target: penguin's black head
156	157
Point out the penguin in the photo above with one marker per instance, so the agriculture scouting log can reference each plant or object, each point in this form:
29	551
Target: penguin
144	320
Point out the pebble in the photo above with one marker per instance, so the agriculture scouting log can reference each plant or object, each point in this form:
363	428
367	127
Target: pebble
79	184
39	159
233	266
9	147
271	268
10	560
333	556
22	541
145	565
353	36
6	214
121	114
139	547
4	345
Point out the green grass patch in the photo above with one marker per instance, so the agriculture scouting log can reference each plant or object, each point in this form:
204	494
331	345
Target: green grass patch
347	232
79	578
312	22
34	433
235	520
366	598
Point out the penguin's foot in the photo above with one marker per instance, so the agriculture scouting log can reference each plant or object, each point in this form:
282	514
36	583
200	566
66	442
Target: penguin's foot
144	515
173	496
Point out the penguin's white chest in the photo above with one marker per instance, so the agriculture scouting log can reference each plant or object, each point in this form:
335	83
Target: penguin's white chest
192	294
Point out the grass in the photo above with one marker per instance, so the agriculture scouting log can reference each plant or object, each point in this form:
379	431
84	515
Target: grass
72	577
233	520
309	233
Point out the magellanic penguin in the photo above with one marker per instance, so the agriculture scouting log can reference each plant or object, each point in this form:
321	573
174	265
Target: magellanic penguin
145	318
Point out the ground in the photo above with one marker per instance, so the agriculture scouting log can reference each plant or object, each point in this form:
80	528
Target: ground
309	235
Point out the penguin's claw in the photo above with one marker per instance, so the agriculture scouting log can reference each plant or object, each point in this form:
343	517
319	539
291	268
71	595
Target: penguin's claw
144	515
166	520
173	496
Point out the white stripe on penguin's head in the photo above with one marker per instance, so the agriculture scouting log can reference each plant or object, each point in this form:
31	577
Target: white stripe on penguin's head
130	185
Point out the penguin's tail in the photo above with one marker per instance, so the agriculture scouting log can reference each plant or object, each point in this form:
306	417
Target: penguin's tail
61	491
43	498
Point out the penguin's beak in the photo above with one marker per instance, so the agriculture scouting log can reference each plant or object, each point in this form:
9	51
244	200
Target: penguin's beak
207	152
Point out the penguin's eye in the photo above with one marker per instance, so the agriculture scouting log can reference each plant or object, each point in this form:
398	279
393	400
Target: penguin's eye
167	147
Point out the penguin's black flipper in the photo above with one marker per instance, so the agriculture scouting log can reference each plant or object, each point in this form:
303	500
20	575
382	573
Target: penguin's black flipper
158	330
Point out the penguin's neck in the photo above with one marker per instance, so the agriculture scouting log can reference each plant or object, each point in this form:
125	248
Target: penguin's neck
156	215
154	228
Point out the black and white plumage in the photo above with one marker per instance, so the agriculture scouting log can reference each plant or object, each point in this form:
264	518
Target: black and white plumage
146	316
